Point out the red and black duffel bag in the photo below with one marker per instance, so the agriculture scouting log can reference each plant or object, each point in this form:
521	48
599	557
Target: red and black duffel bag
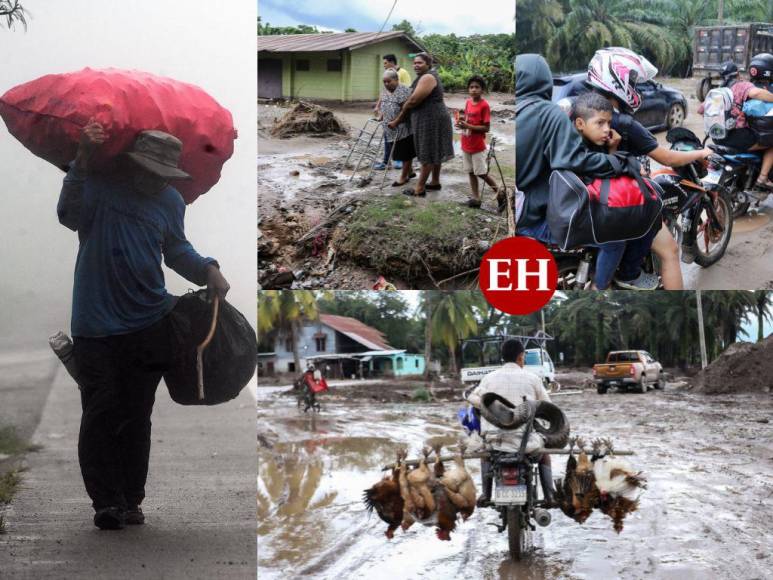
597	211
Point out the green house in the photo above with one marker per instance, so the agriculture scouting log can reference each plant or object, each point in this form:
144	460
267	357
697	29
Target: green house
345	66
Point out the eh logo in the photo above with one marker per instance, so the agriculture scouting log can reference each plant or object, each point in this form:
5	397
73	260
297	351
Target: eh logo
518	275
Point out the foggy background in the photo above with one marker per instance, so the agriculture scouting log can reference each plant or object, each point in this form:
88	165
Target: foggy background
192	41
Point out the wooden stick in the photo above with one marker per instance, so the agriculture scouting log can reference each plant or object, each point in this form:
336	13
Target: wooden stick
205	344
458	275
480	454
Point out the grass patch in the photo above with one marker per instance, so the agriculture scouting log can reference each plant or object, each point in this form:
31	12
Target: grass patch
9	483
420	395
12	444
397	236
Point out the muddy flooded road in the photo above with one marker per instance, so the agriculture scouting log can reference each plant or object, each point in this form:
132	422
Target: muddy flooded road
706	514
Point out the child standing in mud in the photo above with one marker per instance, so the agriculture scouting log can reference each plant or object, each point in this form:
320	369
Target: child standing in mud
475	123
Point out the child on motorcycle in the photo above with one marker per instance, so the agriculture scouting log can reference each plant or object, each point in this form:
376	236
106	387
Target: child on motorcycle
547	141
592	117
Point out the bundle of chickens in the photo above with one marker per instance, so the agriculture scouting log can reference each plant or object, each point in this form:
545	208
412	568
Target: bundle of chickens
432	497
602	481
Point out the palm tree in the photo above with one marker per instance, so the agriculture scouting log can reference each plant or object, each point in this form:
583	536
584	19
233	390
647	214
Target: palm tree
762	303
12	11
593	24
284	312
454	317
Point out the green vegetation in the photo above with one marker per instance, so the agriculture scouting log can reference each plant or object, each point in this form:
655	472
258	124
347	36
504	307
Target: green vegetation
12	11
568	32
421	395
406	238
458	57
586	325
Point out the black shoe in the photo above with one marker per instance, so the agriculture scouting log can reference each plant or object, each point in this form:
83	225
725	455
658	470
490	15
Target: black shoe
110	518
134	516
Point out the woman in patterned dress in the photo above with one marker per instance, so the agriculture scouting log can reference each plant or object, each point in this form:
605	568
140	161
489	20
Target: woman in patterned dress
430	124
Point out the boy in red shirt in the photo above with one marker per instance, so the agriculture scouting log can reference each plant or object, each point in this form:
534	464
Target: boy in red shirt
475	123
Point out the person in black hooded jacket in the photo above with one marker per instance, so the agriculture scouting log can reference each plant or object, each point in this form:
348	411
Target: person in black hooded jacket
547	140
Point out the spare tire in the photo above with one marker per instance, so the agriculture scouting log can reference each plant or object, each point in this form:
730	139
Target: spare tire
556	434
501	413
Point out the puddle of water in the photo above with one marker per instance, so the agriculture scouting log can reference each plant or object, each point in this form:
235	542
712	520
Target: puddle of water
749	223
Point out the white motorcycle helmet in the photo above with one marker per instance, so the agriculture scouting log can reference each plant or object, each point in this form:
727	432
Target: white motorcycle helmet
615	72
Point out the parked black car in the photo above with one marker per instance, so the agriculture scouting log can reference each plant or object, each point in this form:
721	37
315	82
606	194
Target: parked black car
662	107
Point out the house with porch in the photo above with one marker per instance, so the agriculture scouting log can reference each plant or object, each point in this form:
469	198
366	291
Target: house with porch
344	66
342	347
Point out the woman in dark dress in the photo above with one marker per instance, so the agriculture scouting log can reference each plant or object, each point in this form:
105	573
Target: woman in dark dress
430	123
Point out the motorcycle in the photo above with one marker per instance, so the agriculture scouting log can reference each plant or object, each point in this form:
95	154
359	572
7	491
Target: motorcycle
736	172
514	496
697	211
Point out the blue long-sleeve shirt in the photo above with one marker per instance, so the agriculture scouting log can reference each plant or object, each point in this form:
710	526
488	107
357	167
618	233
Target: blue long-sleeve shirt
119	284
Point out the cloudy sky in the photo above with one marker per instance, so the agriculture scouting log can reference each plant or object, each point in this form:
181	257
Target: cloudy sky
429	16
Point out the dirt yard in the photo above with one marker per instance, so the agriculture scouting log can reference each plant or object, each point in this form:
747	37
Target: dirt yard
746	263
301	181
706	513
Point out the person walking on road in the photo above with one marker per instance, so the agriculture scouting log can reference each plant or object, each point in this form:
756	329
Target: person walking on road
126	220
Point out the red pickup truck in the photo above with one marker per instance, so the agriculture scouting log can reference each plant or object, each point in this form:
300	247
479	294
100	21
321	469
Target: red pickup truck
628	369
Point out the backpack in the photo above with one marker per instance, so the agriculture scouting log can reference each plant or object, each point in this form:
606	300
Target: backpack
717	113
614	209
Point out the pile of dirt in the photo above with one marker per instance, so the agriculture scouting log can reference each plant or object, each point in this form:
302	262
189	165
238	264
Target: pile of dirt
308	119
742	367
415	238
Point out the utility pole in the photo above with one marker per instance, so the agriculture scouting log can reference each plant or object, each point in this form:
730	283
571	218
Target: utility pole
701	330
721	12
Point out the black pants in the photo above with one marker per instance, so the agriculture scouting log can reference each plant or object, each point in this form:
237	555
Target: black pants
118	376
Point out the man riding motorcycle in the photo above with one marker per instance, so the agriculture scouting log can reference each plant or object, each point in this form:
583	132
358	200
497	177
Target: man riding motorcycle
742	137
513	383
547	140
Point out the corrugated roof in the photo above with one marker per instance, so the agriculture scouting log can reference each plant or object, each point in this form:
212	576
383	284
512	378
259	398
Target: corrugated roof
357	331
332	41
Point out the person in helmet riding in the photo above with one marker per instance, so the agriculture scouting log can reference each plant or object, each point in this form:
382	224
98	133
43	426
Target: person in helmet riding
742	137
547	140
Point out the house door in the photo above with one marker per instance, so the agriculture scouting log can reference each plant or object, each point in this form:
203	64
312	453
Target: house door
270	78
270	369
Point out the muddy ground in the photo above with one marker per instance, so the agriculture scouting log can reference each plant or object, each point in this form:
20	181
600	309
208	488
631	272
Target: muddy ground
746	263
706	514
301	181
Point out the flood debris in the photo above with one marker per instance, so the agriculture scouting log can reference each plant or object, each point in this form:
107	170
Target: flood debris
308	119
742	367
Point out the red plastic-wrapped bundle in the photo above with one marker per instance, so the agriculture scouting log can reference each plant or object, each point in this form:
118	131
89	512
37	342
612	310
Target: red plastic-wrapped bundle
319	386
46	116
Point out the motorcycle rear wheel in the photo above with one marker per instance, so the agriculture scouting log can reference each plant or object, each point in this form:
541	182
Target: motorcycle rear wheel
516	535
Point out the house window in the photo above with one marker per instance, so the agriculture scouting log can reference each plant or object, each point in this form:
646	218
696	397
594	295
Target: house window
417	363
321	340
302	65
291	367
289	344
334	65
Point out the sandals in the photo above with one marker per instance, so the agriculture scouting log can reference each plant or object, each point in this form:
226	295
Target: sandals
433	187
471	202
411	192
762	184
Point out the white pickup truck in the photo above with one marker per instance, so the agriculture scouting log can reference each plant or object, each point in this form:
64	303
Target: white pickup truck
537	361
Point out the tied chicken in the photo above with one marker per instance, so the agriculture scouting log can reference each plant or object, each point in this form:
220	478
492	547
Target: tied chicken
433	497
602	481
386	499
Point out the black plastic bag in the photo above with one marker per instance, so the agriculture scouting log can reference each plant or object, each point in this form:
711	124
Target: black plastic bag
229	360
